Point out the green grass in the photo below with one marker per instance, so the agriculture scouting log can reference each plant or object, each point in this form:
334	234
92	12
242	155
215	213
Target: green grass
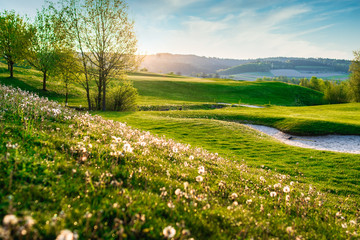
31	80
327	170
73	171
310	120
167	90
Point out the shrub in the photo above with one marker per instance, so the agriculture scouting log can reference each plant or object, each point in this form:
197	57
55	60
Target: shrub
122	98
336	92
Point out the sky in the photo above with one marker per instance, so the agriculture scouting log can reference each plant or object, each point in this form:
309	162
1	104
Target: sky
239	29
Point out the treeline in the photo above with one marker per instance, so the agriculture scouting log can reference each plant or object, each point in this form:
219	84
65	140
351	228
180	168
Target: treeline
334	91
265	65
88	42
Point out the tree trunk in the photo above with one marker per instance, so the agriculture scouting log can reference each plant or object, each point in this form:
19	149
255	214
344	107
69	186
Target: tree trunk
66	94
11	66
88	95
44	81
104	95
99	92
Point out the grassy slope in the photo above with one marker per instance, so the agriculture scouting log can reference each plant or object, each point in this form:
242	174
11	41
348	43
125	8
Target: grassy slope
64	174
336	172
31	80
160	89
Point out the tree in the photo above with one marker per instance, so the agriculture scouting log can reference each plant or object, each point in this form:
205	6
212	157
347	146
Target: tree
48	43
316	84
68	71
105	38
355	76
14	39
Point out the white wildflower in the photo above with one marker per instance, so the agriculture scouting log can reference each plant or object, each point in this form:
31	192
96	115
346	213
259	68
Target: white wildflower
286	189
201	170
10	219
233	196
67	235
272	194
199	178
169	232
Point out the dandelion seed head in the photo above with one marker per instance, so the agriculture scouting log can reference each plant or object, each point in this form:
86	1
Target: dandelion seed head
199	178
10	220
286	189
272	194
169	232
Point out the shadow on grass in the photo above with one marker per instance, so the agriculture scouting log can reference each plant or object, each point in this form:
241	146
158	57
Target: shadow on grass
16	82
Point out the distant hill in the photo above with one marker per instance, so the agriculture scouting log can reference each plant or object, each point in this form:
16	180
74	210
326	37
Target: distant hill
240	68
186	64
299	64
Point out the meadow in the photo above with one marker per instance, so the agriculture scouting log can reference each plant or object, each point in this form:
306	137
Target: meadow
183	174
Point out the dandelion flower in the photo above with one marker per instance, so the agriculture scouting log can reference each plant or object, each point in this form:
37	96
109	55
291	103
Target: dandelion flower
29	221
233	196
66	235
286	189
199	178
127	148
289	230
10	219
169	232
201	170
287	198
170	205
177	192
273	194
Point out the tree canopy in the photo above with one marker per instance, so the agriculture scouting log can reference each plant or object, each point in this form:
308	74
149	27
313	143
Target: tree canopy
14	38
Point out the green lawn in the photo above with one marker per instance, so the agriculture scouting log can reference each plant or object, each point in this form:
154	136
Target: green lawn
335	172
162	89
309	120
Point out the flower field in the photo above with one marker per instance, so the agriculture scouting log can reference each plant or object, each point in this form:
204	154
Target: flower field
70	175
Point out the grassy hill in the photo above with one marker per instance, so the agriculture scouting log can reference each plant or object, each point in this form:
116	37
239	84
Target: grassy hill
162	89
62	169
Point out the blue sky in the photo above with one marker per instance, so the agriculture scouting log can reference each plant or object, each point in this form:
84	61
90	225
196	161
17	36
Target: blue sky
240	28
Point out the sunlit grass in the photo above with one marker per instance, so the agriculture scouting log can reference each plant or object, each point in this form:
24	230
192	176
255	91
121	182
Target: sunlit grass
103	179
336	172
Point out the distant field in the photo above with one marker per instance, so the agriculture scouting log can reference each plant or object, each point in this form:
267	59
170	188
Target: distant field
250	76
308	74
291	73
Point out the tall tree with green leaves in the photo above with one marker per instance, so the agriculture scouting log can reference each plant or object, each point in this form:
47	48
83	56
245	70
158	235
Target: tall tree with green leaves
68	71
105	38
14	39
48	44
355	76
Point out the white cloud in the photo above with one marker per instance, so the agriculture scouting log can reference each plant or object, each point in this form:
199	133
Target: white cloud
248	35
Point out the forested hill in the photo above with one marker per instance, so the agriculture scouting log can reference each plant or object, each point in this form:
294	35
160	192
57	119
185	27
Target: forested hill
300	64
192	64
